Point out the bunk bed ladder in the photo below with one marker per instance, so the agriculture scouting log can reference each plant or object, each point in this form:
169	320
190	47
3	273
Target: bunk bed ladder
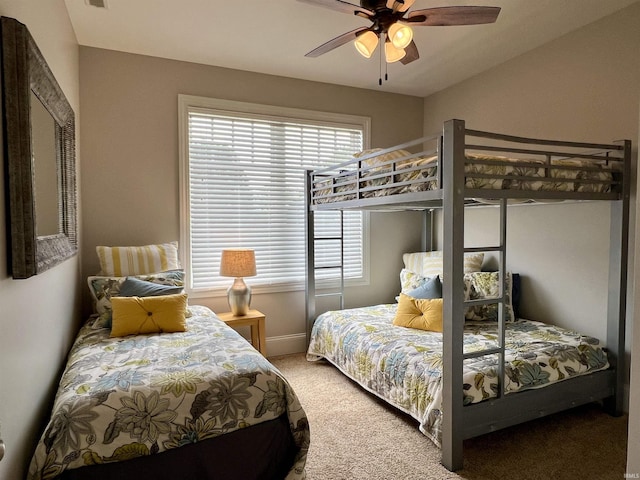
499	350
453	292
312	268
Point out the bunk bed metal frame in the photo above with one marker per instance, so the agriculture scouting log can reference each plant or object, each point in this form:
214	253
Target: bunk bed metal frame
451	195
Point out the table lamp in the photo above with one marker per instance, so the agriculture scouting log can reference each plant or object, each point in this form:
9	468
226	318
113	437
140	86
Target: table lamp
238	263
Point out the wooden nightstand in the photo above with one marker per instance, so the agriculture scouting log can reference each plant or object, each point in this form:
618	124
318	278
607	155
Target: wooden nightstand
253	319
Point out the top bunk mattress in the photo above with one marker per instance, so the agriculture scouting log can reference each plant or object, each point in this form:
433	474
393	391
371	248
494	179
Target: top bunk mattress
495	166
400	172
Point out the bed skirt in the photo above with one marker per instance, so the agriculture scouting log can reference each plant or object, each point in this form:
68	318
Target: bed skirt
263	451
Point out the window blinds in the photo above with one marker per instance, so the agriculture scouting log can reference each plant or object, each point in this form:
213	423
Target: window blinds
246	190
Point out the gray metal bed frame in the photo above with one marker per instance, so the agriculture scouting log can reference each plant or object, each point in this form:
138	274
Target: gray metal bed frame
462	422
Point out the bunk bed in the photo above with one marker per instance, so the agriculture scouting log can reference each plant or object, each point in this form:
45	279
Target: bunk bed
449	171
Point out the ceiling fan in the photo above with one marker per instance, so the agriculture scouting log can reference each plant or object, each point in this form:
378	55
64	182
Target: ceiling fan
391	22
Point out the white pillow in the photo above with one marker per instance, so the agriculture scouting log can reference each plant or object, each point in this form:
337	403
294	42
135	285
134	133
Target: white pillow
429	264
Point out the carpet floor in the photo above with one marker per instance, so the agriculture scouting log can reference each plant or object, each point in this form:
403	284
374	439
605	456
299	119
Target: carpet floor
356	436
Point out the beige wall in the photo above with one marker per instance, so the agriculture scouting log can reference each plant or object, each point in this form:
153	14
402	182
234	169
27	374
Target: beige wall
130	161
38	316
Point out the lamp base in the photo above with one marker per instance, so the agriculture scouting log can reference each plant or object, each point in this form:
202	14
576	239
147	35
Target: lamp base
239	297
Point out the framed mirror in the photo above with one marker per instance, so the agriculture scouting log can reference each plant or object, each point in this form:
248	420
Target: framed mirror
39	157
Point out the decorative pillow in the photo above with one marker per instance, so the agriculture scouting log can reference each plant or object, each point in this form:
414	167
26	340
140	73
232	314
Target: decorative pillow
477	285
380	162
480	285
431	288
410	280
429	264
423	314
140	315
103	288
122	261
134	287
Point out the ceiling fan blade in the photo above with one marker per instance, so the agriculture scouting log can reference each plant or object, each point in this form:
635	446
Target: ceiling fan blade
341	6
411	53
336	42
446	16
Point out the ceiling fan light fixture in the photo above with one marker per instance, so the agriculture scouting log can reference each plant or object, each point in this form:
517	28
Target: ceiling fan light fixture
393	54
400	35
366	43
403	5
392	24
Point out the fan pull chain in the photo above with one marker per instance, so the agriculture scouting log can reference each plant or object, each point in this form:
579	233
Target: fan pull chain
386	65
380	62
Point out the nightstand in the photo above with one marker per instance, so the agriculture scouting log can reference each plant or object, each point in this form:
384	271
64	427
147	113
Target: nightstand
253	319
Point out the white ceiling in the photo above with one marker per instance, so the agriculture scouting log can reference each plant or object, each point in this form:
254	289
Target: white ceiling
272	36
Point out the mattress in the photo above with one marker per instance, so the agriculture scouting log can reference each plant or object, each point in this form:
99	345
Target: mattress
124	398
403	366
386	177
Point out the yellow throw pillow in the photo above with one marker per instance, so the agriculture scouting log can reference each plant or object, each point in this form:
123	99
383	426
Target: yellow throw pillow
123	261
424	314
139	315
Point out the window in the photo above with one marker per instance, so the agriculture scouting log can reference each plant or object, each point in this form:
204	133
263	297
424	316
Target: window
242	186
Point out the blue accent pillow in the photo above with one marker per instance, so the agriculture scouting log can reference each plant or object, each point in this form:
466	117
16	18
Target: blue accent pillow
430	289
134	287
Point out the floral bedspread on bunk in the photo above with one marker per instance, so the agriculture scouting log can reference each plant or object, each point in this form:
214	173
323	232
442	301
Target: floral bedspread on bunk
403	366
121	398
383	176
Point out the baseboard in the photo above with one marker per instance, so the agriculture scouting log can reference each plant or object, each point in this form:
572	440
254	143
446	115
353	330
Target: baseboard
286	344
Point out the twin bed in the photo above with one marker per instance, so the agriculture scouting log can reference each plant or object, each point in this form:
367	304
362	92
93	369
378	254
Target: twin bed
196	403
482	368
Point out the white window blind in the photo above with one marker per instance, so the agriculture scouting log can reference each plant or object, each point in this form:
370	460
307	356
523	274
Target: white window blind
246	190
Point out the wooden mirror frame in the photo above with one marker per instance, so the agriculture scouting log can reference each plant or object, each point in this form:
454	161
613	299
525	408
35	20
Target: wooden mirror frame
24	70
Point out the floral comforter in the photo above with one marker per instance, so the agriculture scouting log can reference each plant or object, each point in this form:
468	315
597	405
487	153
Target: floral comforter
404	366
121	398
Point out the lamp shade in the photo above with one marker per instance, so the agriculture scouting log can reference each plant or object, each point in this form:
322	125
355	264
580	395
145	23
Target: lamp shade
366	43
238	263
400	35
393	54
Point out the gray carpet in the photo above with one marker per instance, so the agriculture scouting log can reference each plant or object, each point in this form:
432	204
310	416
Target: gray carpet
356	436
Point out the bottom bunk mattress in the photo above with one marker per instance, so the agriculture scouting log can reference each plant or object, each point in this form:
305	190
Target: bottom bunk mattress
179	404
403	366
